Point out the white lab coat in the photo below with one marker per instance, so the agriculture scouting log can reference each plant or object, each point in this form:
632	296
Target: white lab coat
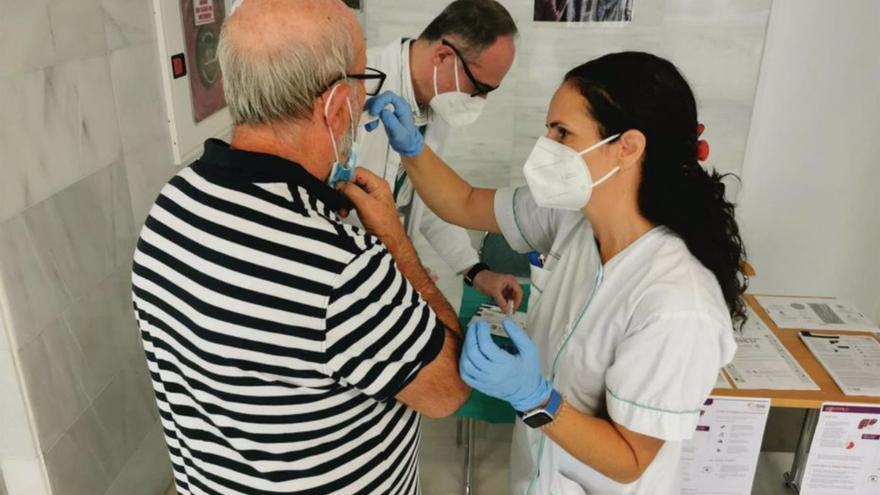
451	242
644	352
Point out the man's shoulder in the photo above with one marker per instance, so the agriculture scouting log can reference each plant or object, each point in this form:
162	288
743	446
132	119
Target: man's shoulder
275	212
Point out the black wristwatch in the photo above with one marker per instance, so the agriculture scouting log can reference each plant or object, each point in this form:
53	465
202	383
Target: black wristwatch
472	273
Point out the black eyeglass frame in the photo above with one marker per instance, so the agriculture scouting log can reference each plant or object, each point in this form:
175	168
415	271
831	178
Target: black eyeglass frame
481	88
378	74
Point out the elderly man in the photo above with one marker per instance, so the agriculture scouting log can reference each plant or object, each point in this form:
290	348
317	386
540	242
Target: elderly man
290	353
445	75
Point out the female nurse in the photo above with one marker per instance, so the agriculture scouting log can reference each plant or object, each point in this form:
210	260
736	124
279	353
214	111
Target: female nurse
633	309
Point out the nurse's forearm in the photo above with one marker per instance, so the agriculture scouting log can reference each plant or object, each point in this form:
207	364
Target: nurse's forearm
450	196
609	448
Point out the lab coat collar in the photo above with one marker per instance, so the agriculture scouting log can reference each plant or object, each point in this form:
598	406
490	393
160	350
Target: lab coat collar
222	161
422	116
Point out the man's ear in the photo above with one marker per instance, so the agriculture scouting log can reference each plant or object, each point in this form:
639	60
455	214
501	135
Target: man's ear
631	149
441	54
334	102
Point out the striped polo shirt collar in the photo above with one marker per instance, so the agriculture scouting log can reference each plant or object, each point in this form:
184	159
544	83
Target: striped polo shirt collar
261	167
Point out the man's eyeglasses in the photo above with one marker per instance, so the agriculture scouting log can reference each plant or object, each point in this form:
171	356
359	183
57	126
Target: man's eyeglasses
480	88
373	80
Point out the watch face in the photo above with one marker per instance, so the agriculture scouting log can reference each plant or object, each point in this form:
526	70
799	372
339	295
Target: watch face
537	419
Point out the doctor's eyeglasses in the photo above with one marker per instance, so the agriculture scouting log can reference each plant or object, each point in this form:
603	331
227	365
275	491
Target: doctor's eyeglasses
480	88
373	80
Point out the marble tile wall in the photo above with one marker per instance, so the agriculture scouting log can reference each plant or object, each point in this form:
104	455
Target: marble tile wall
84	149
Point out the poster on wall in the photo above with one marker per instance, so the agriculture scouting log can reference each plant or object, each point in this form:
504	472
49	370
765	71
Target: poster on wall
584	11
202	20
354	4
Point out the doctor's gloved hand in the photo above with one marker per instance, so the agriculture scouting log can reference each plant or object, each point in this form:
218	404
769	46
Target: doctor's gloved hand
403	135
515	378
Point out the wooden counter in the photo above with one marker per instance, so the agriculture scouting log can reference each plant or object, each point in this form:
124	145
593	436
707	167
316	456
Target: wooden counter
809	399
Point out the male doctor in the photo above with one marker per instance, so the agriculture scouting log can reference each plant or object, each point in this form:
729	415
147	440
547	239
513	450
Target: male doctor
445	75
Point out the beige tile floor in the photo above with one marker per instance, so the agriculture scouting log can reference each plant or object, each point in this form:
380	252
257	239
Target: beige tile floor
442	462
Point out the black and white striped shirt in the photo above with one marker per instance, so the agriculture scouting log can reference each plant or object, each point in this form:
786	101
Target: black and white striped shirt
277	336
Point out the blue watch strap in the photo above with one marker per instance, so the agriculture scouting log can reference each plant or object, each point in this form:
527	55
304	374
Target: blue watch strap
552	407
554	404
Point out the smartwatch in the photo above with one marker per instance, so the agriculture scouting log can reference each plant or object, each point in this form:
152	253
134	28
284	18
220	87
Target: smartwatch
542	416
469	276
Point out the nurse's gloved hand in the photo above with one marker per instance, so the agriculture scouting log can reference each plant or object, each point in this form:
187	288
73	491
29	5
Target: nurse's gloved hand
514	378
403	135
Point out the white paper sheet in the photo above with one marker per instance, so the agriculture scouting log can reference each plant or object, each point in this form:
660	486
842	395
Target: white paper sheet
762	362
722	456
845	454
852	360
815	314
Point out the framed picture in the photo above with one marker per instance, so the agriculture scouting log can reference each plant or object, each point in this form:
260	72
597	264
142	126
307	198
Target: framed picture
583	11
187	35
354	4
202	20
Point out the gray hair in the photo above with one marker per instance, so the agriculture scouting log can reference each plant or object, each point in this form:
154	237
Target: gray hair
280	83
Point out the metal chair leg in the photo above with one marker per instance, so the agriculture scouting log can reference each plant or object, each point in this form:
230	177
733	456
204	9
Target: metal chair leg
469	465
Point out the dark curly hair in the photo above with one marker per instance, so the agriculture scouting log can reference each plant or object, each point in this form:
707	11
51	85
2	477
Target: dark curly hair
634	90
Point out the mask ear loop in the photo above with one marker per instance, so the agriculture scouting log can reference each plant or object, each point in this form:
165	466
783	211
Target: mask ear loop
326	118
600	143
591	148
455	64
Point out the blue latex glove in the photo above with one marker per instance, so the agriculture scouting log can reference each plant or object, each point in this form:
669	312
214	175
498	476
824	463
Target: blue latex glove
403	135
515	378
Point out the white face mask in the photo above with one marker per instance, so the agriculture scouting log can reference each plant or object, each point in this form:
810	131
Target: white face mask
456	108
559	177
342	172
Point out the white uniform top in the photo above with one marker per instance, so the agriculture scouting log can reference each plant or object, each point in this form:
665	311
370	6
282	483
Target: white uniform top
451	242
645	352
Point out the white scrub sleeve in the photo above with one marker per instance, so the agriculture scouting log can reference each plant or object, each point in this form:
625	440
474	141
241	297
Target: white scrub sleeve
526	226
664	370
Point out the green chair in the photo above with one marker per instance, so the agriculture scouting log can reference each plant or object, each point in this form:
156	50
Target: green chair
497	253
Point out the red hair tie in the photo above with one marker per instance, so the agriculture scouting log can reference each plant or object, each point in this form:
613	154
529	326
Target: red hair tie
702	144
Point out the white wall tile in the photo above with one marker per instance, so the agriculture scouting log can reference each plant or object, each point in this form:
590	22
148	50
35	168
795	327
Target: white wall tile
726	12
15	429
123	219
51	366
76	462
58	125
128	22
100	142
74	231
137	90
24	34
77	28
148	471
149	168
24	477
31	292
127	407
39	135
101	323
